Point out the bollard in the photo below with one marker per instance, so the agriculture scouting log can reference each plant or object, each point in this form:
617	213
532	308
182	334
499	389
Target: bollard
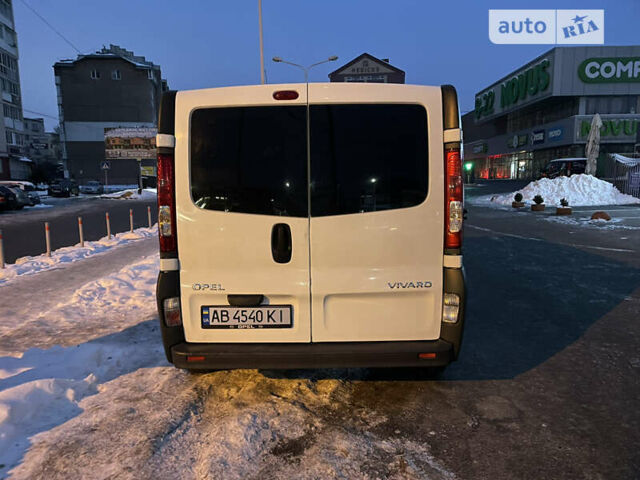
1	251
131	220
47	238
108	225
149	215
80	231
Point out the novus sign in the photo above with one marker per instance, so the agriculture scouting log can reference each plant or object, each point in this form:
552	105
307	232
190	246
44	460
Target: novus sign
519	88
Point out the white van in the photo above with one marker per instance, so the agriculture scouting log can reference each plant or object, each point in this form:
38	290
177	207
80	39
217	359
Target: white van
313	225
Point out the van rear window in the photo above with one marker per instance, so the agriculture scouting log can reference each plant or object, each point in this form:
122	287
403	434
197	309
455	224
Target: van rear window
364	158
367	157
250	160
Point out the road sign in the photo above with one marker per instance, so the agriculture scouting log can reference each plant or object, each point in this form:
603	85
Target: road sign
148	171
105	165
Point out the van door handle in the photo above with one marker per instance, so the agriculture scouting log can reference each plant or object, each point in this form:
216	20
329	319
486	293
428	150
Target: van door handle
281	243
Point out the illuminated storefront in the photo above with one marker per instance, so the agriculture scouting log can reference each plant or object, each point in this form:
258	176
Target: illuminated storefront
543	111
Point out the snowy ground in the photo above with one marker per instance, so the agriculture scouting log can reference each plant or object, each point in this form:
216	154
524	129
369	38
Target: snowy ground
579	190
97	395
132	194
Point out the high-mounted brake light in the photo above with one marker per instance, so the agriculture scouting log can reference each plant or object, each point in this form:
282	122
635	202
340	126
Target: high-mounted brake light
166	203
285	95
453	198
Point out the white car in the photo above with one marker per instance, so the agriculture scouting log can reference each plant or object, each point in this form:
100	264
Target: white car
289	244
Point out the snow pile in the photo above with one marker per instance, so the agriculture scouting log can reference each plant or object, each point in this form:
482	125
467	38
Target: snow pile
41	389
580	190
132	194
30	265
38	205
117	188
109	304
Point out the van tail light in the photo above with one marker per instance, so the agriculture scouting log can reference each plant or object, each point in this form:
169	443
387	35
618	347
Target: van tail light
171	307
450	307
453	198
166	203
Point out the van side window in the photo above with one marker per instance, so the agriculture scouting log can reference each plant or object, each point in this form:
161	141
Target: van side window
250	160
368	157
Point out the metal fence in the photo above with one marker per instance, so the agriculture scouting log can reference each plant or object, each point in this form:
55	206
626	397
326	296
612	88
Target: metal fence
623	177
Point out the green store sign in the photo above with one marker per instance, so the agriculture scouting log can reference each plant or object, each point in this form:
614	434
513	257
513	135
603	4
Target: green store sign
518	88
611	128
610	70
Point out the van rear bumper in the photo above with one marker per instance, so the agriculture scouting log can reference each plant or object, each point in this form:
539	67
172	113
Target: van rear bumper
310	355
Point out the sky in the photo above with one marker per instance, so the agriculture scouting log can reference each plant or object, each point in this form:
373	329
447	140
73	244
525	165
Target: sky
202	44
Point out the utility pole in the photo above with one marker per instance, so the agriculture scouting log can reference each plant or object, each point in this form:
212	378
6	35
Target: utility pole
261	45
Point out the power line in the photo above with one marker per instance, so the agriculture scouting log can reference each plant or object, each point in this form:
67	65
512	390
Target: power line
40	113
50	26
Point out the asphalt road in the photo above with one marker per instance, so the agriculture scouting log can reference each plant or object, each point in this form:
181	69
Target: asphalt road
546	386
24	234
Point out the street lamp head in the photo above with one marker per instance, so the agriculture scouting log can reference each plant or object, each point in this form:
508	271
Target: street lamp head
277	59
333	58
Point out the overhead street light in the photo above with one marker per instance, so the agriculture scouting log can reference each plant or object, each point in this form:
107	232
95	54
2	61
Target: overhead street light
332	58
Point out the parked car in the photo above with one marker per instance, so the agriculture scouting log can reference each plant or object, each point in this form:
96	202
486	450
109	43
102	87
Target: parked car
22	198
8	199
564	167
92	187
63	188
27	187
356	262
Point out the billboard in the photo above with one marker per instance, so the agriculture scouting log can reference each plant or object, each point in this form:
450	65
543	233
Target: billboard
132	143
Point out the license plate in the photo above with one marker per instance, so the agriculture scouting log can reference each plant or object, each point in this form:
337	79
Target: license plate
266	316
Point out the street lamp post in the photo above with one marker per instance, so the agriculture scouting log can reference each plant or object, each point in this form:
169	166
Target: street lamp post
261	44
332	58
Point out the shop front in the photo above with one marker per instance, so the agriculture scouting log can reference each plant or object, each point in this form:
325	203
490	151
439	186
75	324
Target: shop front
544	110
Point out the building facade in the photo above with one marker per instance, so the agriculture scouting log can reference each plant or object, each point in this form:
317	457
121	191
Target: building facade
368	69
543	111
43	148
112	88
13	165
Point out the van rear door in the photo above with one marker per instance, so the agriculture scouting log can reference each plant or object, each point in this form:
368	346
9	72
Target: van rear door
242	214
377	196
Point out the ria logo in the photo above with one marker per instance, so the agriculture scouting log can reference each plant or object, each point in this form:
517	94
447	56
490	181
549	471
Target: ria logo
580	26
546	26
